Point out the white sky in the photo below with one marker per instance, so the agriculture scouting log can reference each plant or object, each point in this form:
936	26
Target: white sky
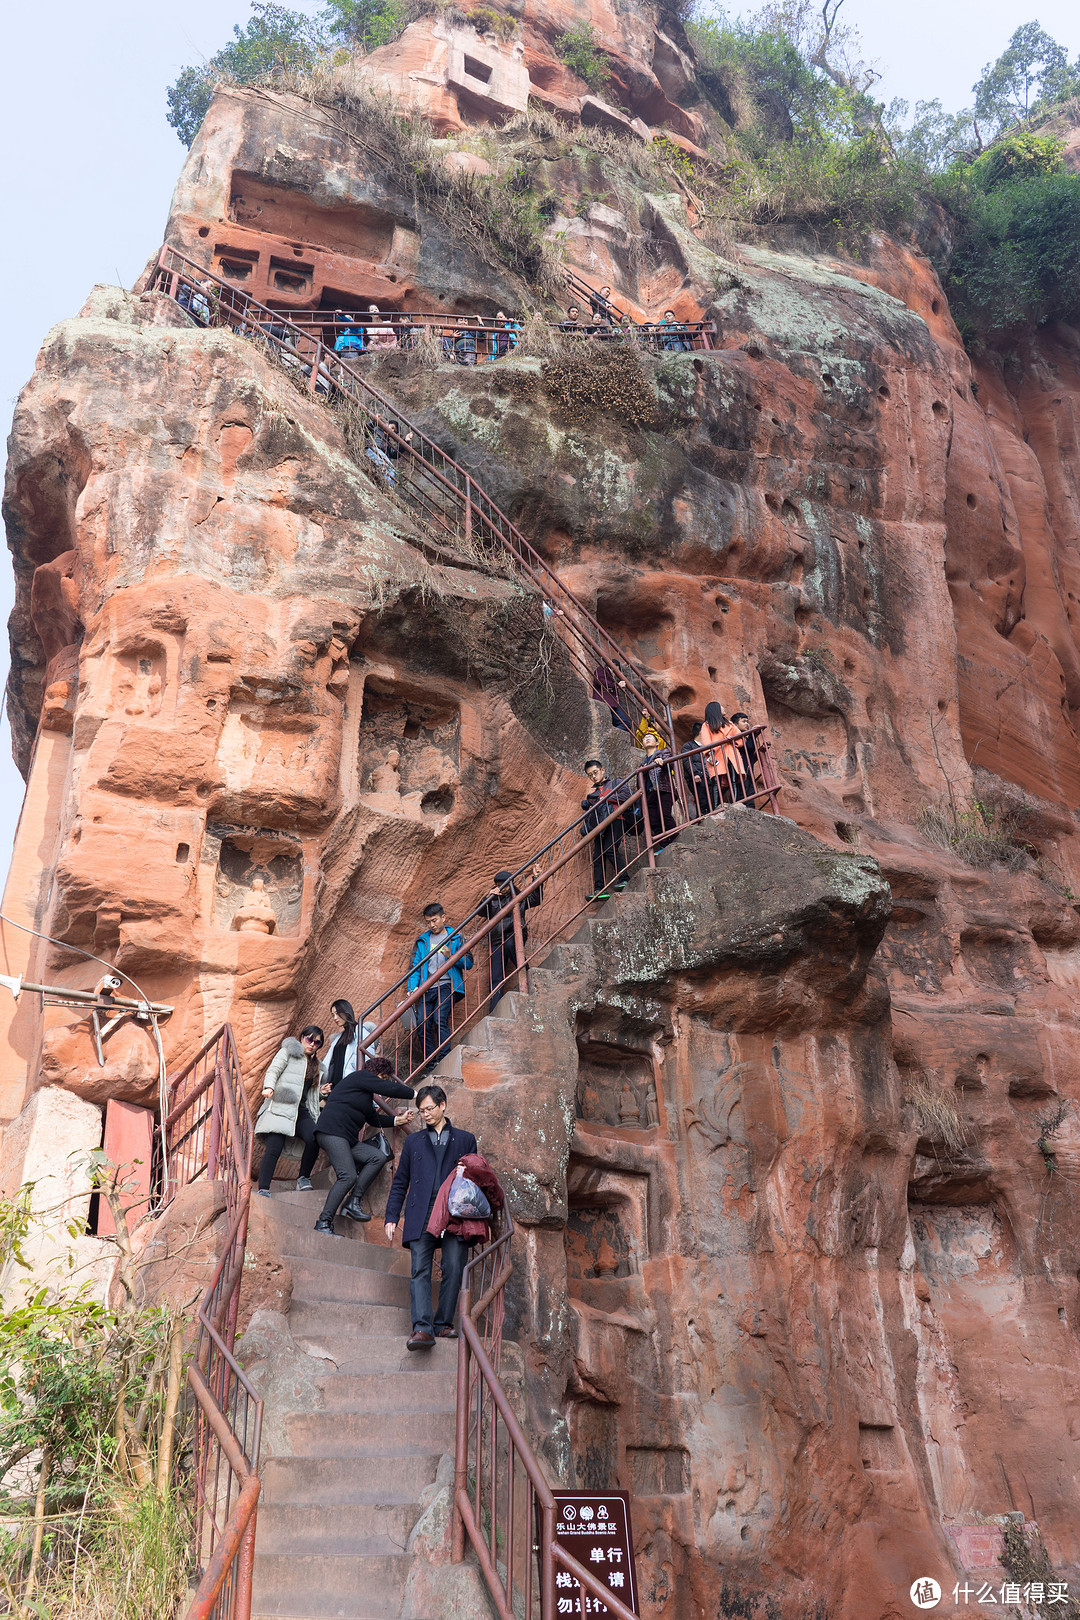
91	162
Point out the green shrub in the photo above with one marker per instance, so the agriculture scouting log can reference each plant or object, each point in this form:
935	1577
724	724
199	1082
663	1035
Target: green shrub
91	1524
1022	156
1017	260
578	49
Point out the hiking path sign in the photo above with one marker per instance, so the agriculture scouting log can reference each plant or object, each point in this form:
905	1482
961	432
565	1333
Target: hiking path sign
594	1526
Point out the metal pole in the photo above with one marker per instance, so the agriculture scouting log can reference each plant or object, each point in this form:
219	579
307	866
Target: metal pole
519	951
646	819
461	1449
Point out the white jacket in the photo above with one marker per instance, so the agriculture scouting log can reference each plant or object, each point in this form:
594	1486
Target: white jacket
353	1059
288	1076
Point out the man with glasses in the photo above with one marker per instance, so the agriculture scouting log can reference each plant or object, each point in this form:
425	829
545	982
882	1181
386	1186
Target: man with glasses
427	1158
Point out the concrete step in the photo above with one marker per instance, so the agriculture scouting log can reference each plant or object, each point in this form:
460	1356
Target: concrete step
369	1434
307	1527
345	1482
348	1246
346	1324
352	1352
419	1390
343	1284
353	1587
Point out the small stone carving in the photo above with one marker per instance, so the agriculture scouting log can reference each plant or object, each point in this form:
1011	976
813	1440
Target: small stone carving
256	915
386	778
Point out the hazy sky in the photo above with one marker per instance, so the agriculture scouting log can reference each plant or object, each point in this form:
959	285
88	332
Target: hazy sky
91	161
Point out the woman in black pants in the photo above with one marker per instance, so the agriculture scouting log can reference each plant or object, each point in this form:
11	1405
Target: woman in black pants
349	1107
290	1104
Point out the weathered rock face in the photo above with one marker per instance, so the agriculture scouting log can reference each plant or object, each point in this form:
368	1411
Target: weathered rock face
775	1295
238	600
792	1137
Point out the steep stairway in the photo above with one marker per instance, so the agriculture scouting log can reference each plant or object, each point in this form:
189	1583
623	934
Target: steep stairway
337	1508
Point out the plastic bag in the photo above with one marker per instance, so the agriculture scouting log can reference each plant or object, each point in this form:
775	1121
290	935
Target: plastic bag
467	1202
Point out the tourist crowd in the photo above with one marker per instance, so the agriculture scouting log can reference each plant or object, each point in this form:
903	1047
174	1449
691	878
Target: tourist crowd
344	1101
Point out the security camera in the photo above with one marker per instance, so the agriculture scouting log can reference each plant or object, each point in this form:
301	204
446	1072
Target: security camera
109	984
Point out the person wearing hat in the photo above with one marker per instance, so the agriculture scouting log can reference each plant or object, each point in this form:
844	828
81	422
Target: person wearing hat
503	946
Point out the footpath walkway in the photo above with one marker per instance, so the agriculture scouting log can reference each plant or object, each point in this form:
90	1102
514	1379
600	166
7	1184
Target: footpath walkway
339	1505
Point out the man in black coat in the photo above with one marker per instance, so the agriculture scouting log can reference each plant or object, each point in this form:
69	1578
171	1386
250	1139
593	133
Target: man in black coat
503	945
428	1157
349	1107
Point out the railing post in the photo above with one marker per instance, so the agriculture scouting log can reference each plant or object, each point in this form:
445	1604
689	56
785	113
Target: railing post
519	951
314	377
646	820
768	774
468	509
461	1448
547	1561
245	1570
213	1146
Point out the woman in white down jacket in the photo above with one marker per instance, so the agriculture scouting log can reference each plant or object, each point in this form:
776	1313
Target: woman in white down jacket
291	1104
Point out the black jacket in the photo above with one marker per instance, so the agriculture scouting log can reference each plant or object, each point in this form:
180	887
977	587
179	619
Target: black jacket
351	1104
601	800
414	1181
504	930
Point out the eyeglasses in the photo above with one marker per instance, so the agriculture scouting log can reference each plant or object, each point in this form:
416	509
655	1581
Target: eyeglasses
311	1040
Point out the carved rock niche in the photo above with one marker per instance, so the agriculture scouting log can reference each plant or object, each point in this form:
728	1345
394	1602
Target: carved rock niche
616	1083
258	871
607	1226
410	747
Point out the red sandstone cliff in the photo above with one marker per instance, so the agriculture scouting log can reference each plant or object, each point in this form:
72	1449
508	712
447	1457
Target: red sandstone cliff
841	1328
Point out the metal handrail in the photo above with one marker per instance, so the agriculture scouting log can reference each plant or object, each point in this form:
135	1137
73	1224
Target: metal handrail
208	1131
638	840
495	340
518	1499
447	495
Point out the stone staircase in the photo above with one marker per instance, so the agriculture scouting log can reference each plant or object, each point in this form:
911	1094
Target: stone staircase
484	1055
363	1436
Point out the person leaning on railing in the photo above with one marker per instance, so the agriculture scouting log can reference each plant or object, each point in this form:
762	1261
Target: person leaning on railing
503	944
603	797
352	337
724	764
659	787
694	772
748	750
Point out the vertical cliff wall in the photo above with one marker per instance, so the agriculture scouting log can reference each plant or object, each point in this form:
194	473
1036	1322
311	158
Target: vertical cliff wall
792	1126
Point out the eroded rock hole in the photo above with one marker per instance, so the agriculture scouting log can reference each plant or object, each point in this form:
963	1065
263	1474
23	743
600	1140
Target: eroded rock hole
439	802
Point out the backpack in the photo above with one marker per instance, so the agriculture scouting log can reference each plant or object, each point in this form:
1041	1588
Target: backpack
466	1201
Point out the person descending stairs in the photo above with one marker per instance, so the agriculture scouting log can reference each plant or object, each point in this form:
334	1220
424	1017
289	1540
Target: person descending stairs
358	1429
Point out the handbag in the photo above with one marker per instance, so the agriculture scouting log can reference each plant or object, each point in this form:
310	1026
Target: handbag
466	1201
378	1140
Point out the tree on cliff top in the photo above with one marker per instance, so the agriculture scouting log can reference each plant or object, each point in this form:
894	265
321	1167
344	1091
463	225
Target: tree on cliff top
1033	71
277	42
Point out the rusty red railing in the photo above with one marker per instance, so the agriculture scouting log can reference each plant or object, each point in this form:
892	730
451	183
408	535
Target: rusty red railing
503	1502
449	499
477	339
497	942
606	320
207	1135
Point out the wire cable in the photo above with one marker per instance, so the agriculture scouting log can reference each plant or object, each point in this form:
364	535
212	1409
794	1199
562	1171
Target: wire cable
64	945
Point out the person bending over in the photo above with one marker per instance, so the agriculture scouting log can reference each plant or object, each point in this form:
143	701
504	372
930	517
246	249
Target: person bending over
349	1107
427	1158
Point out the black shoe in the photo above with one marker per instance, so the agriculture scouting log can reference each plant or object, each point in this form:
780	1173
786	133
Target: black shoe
355	1211
324	1225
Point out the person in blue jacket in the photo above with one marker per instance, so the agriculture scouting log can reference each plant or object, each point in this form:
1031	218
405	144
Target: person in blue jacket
427	1158
431	952
353	335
